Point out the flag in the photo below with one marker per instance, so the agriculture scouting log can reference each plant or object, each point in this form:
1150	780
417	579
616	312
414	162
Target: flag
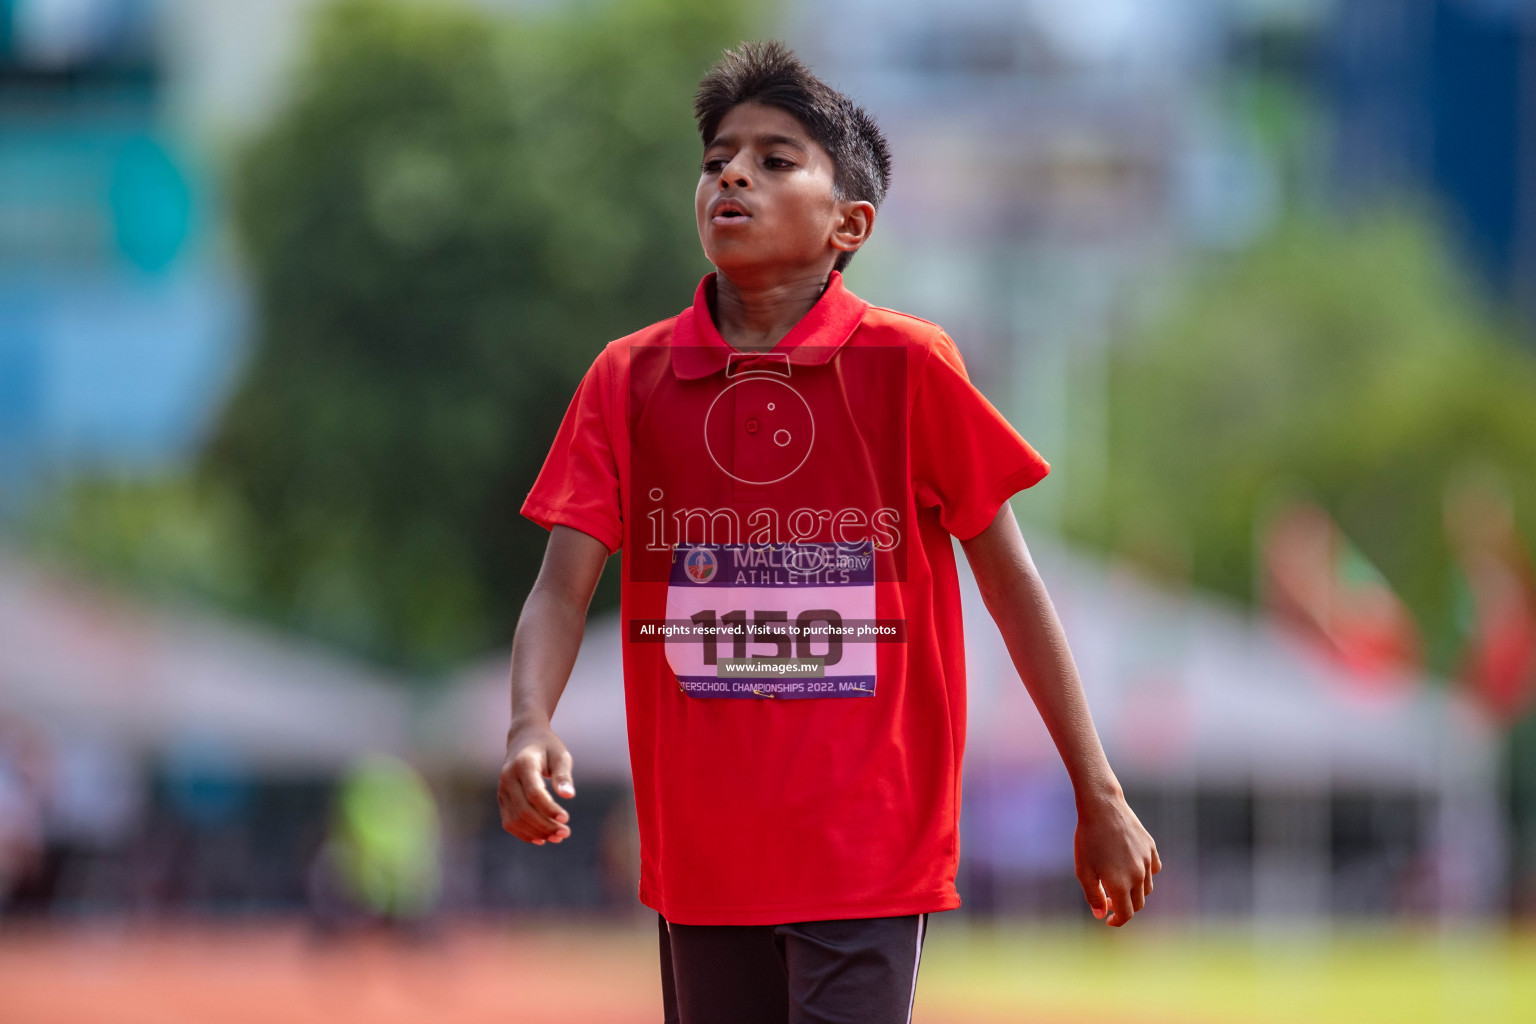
1322	587
1498	592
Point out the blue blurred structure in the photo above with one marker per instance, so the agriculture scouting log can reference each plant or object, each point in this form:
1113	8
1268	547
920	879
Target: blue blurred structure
119	318
1437	97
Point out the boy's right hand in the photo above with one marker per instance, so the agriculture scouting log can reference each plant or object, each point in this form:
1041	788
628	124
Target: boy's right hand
534	753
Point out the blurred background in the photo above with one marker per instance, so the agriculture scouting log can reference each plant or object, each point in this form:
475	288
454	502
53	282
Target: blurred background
293	295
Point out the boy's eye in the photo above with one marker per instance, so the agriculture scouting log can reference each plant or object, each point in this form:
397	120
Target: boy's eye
714	165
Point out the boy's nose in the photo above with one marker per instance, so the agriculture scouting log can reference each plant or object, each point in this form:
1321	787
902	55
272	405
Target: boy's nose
734	174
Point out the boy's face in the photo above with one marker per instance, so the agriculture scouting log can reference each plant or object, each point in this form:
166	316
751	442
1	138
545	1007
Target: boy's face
764	203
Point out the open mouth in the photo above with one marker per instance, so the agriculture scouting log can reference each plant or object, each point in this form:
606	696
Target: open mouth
730	212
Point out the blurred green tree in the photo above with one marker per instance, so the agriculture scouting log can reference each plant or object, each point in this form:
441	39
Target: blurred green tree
451	215
1345	358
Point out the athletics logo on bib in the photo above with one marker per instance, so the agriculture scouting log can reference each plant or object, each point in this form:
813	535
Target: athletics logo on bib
700	565
790	620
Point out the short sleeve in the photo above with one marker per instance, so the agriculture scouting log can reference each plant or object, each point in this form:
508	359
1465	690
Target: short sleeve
966	458
579	484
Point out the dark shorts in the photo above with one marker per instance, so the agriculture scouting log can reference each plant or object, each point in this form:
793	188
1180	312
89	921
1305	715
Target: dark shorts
856	971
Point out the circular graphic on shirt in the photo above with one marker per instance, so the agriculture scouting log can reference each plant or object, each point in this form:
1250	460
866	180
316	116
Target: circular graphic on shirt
759	430
701	565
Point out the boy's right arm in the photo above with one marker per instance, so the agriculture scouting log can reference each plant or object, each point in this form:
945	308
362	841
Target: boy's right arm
544	647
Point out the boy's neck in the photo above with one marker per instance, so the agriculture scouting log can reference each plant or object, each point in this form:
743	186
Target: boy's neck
756	319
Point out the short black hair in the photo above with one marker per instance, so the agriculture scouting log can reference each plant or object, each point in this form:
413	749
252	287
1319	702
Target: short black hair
769	73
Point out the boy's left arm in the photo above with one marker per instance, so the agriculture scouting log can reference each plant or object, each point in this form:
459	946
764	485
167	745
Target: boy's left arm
1114	855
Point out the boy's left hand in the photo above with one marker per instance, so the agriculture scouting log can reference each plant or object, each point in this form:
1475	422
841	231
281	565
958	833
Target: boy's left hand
1115	858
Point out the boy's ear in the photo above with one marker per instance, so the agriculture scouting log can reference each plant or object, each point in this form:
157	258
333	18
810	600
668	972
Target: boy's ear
856	222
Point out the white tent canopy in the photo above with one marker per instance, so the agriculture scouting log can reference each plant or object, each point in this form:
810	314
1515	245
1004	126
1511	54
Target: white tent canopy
152	679
1188	687
468	726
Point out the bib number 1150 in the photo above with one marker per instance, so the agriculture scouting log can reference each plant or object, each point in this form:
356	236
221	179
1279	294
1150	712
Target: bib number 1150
771	628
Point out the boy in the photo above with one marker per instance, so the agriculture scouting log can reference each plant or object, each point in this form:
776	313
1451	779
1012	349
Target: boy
784	466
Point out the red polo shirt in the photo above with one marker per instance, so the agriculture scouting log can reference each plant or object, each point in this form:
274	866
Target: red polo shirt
794	665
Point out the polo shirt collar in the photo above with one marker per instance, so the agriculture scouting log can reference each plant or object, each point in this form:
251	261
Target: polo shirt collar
698	350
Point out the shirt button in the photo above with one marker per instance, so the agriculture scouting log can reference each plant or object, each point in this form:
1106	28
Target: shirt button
751	424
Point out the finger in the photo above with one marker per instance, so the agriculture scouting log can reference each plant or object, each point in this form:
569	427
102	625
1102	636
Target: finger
1119	894
513	826
517	808
1146	878
522	832
540	822
514	804
564	784
538	840
1157	863
1092	891
1138	895
543	828
508	803
530	773
532	827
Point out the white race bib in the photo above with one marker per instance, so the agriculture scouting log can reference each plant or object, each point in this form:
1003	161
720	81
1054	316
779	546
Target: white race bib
773	621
